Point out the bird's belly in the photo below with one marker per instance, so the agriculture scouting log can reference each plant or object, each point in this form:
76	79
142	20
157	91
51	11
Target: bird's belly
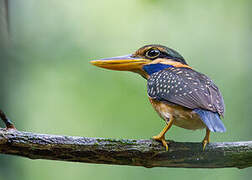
187	119
182	117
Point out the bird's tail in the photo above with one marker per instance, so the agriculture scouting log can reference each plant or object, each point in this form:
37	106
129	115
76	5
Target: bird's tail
211	119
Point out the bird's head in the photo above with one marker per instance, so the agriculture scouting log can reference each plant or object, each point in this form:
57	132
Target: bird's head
145	61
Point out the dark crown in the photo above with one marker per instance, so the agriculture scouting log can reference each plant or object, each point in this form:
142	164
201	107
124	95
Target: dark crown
154	51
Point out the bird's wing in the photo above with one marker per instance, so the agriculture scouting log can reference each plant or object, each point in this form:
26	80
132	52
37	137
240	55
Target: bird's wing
186	87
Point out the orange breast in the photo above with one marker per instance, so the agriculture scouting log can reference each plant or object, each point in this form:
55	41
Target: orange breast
183	117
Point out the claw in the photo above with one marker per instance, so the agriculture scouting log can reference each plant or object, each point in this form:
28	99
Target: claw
161	135
162	139
204	142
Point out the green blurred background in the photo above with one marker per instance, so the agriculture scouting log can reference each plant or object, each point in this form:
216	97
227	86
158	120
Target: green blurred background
48	85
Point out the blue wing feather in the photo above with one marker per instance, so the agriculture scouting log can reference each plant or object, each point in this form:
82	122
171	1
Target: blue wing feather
211	119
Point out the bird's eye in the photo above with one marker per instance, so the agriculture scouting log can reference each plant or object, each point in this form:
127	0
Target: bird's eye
152	53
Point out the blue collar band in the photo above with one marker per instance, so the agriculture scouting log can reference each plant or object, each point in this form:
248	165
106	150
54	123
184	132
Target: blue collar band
152	68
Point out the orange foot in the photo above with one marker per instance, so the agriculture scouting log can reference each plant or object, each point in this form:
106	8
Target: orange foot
205	142
162	139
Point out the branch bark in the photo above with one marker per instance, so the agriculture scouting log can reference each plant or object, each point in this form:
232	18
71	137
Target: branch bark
147	153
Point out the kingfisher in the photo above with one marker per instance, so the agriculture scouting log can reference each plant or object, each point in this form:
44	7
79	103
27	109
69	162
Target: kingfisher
179	94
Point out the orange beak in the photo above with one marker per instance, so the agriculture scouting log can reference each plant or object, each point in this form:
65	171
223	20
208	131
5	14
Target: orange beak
121	63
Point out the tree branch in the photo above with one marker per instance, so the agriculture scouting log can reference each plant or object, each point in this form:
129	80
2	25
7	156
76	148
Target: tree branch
147	153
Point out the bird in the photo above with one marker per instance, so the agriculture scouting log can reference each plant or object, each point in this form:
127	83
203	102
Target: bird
180	95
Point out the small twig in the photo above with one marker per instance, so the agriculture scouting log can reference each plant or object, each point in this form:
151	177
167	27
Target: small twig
6	120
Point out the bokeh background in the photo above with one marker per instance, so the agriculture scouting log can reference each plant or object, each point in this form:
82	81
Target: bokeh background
48	85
